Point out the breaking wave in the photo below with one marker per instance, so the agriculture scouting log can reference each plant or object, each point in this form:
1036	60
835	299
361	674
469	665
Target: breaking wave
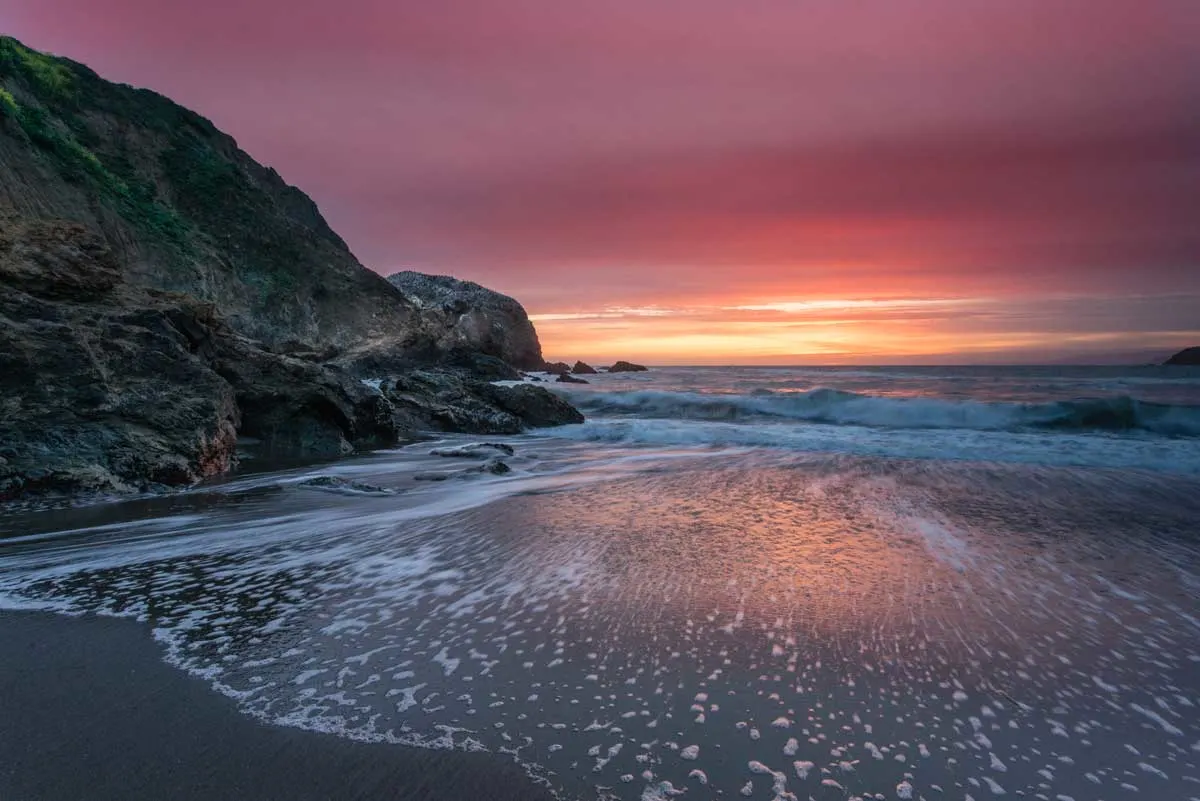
838	407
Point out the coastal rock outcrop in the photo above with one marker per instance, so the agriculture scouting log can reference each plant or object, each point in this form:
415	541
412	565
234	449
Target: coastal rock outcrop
1187	356
108	386
467	317
184	209
583	368
627	367
166	300
558	368
567	378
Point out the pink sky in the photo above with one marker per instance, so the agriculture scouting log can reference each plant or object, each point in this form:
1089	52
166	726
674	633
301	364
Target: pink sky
953	180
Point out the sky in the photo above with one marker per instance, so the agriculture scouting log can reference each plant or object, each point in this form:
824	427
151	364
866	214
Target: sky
724	181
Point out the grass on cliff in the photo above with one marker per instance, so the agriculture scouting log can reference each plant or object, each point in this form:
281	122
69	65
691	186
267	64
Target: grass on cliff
52	126
49	74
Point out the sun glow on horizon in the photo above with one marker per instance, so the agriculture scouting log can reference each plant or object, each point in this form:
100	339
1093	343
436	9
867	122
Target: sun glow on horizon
844	330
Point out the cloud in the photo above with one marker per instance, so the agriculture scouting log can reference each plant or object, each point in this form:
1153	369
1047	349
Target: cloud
591	158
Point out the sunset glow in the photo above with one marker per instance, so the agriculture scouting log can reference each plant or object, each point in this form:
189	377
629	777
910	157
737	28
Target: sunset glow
708	182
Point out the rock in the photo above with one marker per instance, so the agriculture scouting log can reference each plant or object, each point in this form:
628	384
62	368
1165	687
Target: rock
556	368
162	294
1187	356
582	368
627	367
343	486
567	378
474	450
433	476
533	406
495	467
300	409
99	396
442	399
107	387
186	209
469	317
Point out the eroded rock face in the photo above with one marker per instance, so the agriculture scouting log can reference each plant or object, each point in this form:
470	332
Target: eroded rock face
466	317
92	384
442	399
184	209
534	406
111	387
1187	356
162	294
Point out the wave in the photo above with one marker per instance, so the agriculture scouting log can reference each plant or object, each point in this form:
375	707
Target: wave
837	407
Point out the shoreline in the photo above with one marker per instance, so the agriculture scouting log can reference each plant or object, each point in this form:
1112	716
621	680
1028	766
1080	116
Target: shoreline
89	709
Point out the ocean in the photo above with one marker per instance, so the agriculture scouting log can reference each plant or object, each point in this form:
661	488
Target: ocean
772	583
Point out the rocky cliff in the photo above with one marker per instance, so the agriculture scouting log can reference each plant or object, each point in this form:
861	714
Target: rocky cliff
183	209
162	296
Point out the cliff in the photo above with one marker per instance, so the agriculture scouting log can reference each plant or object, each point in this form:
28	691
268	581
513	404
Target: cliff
163	295
183	208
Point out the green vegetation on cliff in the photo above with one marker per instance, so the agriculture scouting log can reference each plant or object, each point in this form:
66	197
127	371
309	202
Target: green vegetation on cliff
54	127
186	208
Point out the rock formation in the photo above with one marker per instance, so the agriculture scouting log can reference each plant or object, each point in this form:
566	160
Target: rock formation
1187	356
468	318
627	367
583	368
184	209
110	386
163	295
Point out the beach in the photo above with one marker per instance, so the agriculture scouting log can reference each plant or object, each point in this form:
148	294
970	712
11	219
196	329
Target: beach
725	583
91	711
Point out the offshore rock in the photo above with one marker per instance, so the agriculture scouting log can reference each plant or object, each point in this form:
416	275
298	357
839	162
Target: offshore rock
1187	356
627	367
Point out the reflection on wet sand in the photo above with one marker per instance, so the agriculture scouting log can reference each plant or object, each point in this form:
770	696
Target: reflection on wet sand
731	622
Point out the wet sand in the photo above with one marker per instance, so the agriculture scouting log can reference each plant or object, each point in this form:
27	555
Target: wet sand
88	710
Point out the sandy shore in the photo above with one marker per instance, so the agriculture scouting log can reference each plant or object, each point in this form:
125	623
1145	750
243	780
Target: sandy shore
88	710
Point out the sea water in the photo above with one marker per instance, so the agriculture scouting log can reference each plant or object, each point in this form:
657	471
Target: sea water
730	582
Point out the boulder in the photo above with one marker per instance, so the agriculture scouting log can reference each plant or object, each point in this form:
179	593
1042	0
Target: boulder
1187	356
463	316
493	467
343	486
567	378
474	450
627	367
582	368
533	406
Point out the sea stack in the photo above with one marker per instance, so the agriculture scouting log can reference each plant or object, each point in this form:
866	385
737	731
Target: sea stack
1185	357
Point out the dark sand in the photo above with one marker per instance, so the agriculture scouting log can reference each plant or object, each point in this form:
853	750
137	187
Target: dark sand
88	710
